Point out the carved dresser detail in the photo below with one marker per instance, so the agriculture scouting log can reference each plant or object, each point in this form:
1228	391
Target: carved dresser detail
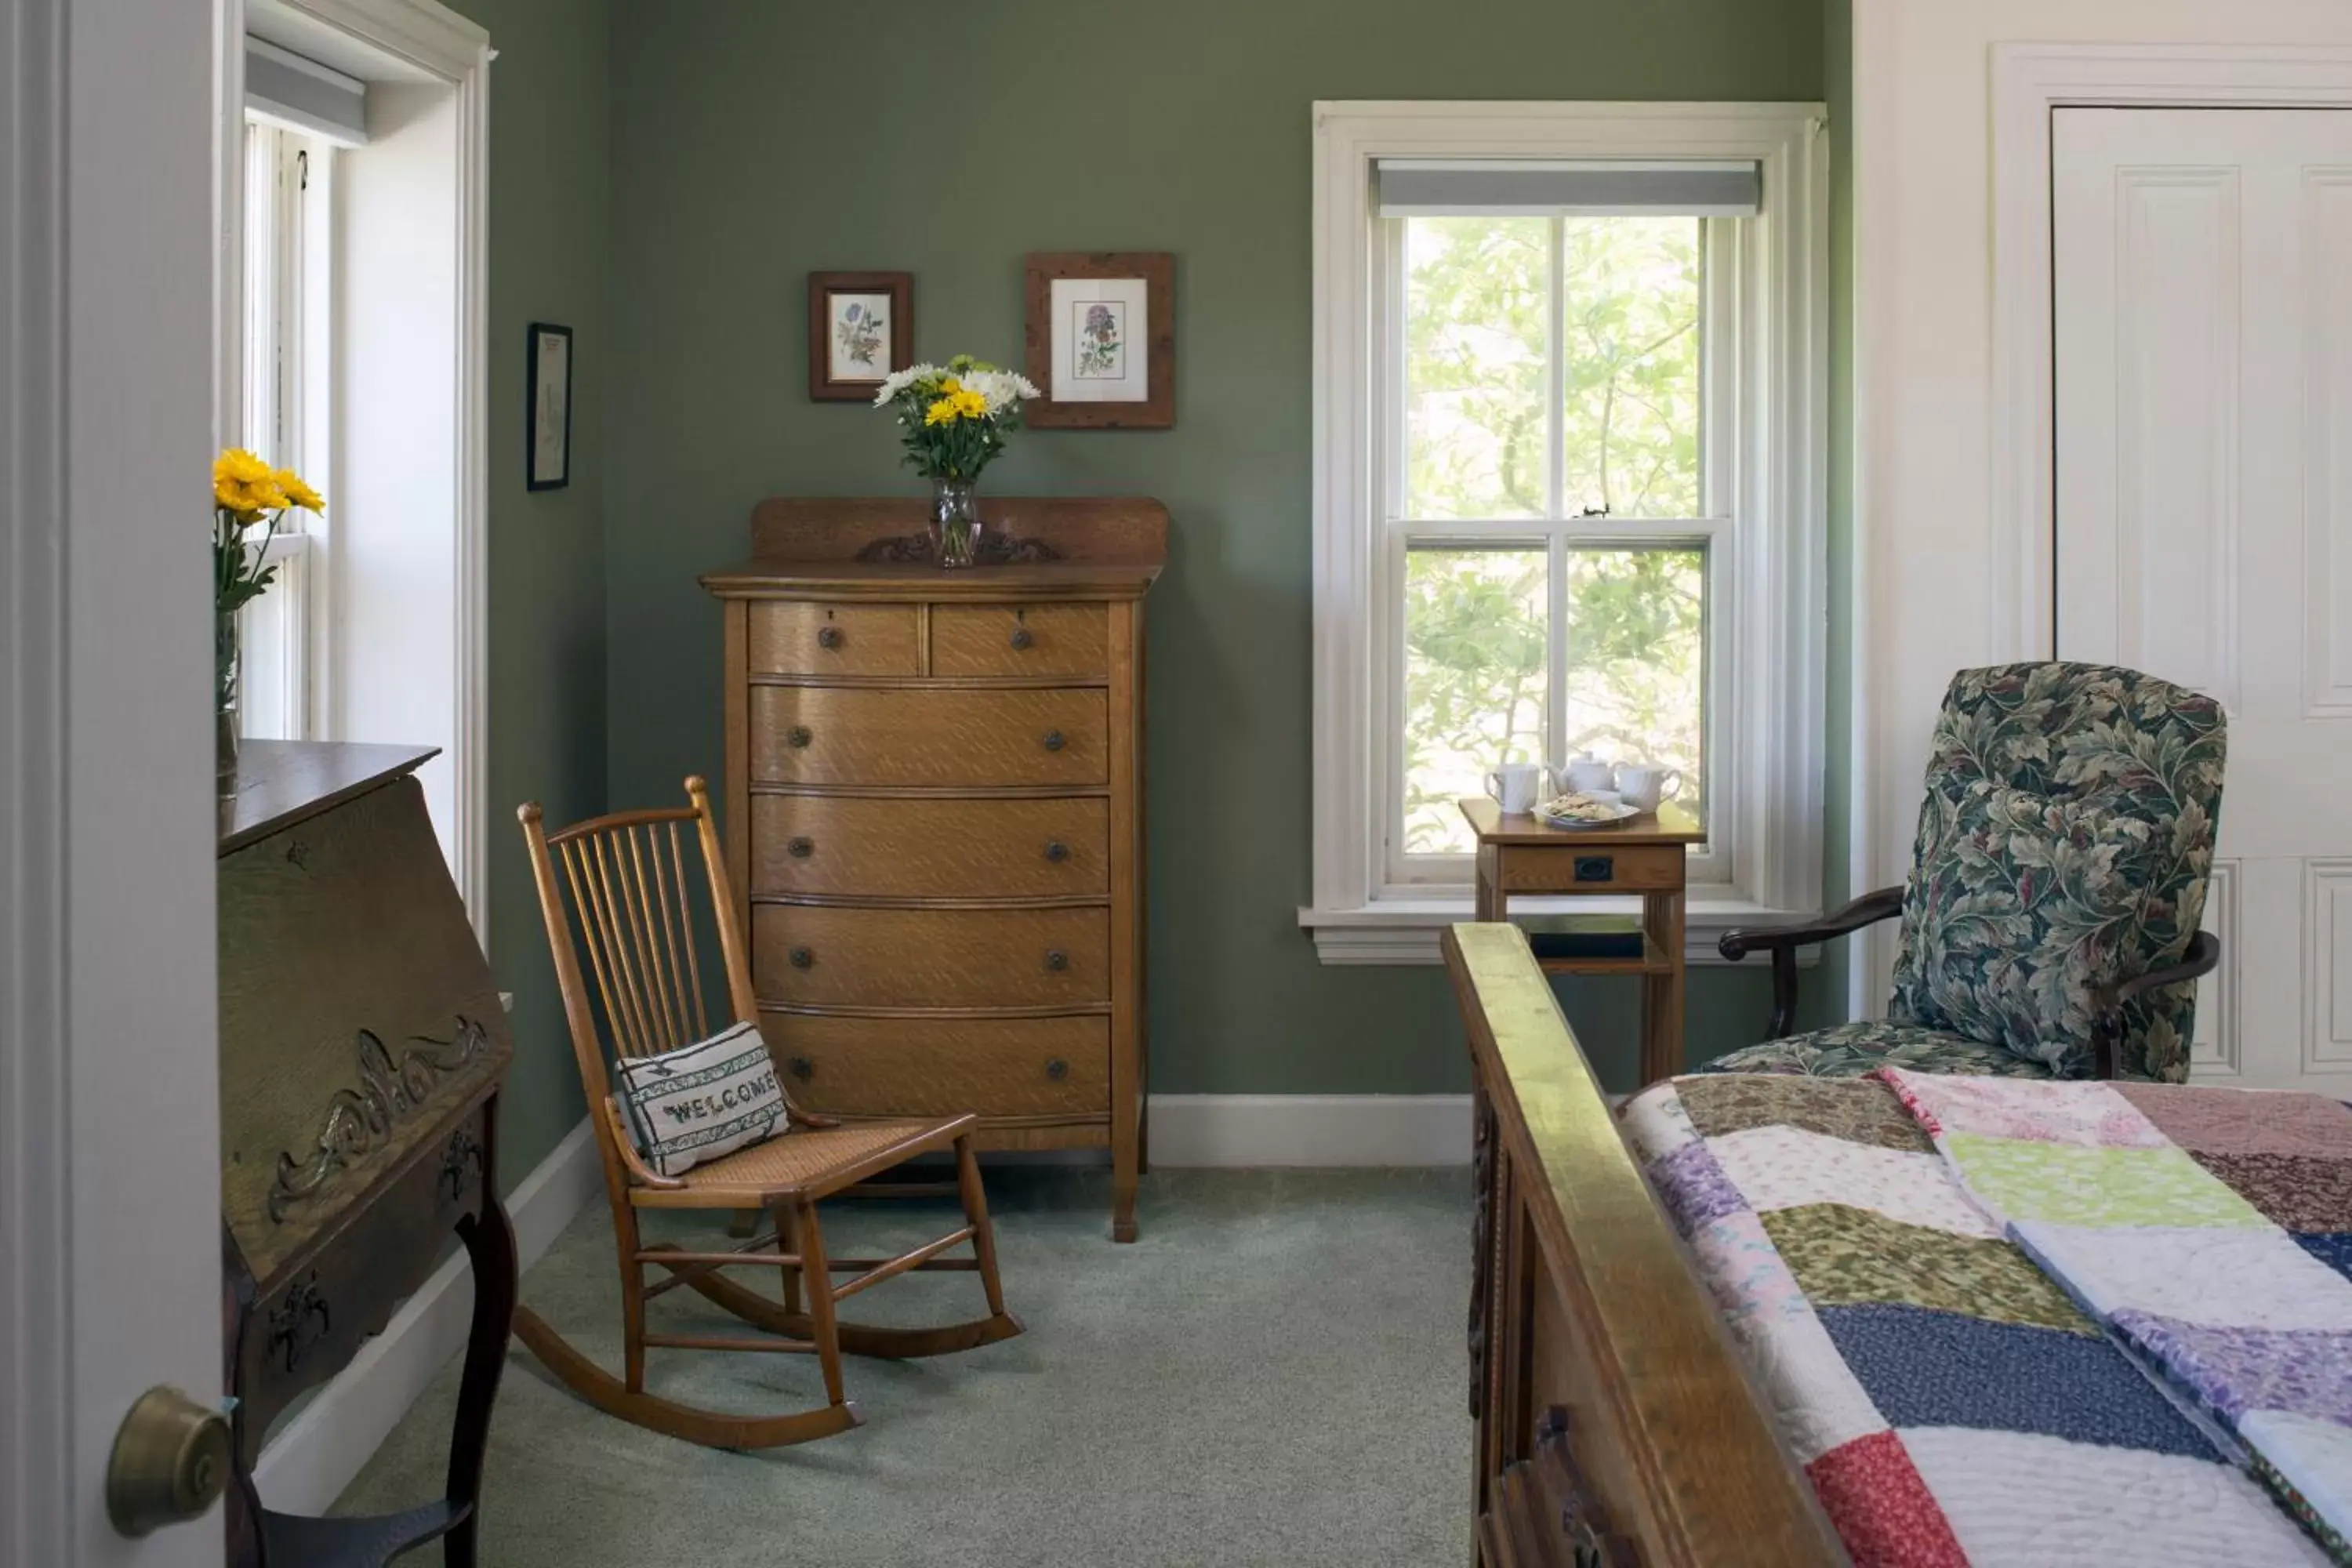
934	813
363	1044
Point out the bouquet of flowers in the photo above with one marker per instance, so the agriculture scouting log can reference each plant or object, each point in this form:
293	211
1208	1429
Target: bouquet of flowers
247	494
954	420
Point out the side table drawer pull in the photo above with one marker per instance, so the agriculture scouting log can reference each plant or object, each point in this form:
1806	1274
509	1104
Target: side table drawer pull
1595	867
1021	639
801	848
801	1068
1052	741
829	636
1056	850
1057	1069
798	737
1057	959
801	957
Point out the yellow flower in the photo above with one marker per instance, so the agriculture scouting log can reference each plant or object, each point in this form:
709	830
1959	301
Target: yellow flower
230	496
942	411
970	404
240	467
299	493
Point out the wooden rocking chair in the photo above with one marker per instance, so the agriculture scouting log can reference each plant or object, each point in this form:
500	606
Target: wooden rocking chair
628	886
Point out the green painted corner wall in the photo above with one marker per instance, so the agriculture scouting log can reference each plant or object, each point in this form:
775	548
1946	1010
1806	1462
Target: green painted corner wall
746	153
551	209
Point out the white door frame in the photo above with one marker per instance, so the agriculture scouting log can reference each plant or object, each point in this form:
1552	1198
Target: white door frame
110	1213
2029	81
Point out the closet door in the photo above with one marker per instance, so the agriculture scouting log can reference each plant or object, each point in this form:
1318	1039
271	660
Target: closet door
2202	301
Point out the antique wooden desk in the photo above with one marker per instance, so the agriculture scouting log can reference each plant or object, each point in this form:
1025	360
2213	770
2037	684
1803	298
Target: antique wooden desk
361	1046
1646	855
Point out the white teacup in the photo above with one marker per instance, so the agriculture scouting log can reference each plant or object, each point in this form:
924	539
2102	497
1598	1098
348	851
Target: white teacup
1583	774
1644	785
1518	788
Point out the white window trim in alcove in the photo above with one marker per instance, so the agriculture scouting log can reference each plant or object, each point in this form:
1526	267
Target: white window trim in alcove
410	44
1778	652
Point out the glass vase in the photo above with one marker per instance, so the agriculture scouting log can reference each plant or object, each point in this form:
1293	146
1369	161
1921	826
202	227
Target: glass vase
955	522
227	670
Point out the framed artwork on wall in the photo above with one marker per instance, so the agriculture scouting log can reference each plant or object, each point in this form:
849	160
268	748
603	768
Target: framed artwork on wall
861	328
1102	340
547	428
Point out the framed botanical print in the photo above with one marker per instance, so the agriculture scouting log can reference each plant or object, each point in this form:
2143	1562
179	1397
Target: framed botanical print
547	428
861	328
1102	340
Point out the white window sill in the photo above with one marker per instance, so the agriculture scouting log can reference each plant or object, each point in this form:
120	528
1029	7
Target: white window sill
1405	930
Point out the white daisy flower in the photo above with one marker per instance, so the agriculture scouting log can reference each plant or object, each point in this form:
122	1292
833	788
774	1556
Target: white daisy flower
898	381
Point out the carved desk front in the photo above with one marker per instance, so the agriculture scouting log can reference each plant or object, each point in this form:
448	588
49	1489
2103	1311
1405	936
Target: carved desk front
362	1044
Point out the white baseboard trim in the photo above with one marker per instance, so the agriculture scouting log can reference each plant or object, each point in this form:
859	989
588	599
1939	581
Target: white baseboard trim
306	1466
1194	1130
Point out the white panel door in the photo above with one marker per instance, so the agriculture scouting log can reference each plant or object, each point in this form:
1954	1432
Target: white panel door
2203	302
109	1129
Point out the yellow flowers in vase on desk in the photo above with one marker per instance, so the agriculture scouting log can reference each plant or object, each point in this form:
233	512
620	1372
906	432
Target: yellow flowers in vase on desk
247	494
954	422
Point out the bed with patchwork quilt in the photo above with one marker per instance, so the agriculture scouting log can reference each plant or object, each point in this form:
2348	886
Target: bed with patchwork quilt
2002	1322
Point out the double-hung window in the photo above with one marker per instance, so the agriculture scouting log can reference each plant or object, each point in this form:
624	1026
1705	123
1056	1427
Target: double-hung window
287	299
1570	363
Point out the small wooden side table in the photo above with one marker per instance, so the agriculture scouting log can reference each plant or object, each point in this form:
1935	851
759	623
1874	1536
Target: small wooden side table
1646	855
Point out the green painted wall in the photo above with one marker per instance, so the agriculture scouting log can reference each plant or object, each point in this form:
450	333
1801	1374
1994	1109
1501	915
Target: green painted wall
550	231
1823	992
754	142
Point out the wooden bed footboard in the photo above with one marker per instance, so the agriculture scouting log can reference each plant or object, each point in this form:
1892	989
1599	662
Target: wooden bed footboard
1616	1423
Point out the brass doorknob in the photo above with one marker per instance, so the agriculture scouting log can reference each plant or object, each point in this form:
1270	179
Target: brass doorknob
171	1459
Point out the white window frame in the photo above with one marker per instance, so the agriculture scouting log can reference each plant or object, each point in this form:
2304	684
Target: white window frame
1769	575
287	413
402	43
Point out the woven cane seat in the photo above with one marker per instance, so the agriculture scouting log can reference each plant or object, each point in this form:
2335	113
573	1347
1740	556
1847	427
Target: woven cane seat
818	1159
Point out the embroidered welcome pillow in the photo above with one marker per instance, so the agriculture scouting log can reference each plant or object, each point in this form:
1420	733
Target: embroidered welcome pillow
702	1101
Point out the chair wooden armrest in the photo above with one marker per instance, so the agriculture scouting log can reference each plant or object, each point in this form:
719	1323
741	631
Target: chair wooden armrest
1783	943
2204	955
639	1172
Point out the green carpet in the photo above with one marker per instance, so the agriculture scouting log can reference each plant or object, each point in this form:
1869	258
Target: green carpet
1273	1375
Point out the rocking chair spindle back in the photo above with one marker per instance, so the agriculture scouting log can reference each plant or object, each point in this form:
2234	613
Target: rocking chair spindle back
618	888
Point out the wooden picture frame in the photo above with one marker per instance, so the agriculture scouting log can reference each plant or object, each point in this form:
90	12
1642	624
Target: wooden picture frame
832	377
547	412
1079	344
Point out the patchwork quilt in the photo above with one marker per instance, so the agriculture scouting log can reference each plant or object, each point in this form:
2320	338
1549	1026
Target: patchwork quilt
1950	1401
2209	1228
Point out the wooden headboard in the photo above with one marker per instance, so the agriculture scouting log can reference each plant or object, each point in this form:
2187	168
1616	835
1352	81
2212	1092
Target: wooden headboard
1607	1390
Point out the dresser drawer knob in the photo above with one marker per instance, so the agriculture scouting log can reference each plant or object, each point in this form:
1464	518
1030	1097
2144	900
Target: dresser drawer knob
828	637
1057	959
801	1068
798	737
801	848
1057	1069
1021	639
1056	850
1054	742
801	957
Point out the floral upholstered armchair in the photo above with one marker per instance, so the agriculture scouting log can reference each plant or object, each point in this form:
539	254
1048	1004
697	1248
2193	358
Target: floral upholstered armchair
2049	926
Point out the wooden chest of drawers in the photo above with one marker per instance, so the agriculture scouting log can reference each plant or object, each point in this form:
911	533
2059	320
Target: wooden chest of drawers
934	821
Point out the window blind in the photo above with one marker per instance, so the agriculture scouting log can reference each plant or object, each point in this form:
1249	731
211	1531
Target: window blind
294	90
1532	187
